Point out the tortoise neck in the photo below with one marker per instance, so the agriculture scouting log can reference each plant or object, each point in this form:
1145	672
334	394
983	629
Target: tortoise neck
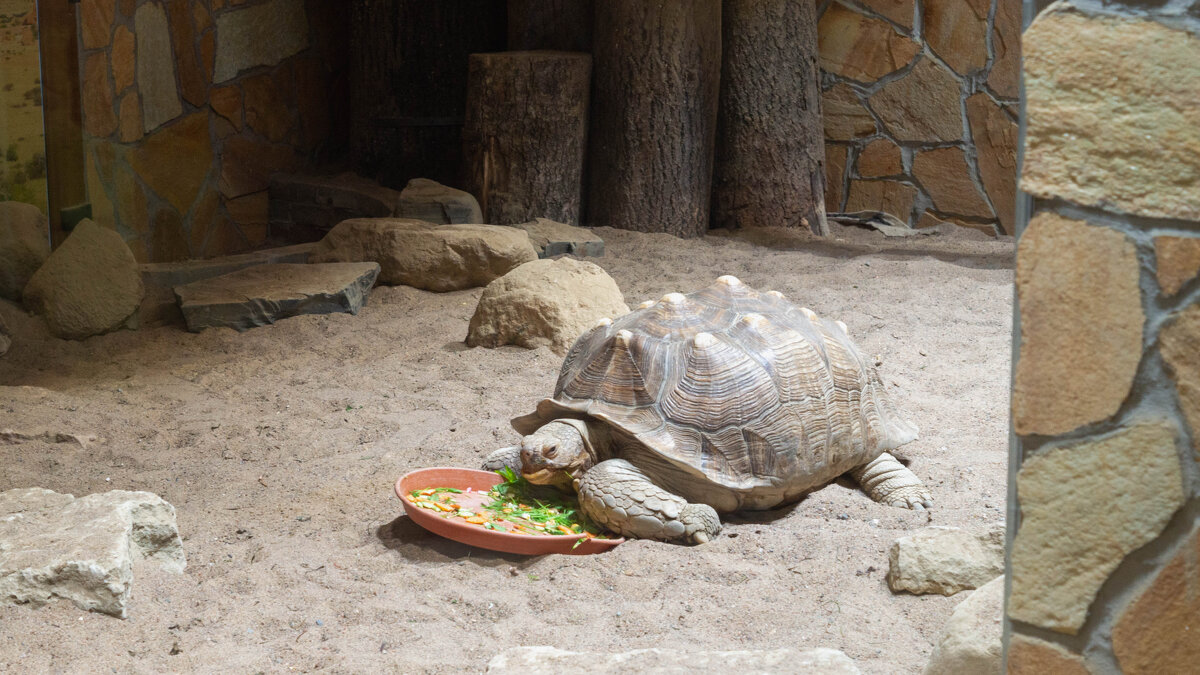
597	438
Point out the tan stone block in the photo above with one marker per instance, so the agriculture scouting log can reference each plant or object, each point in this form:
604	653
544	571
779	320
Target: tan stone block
956	30
127	6
267	108
881	195
1081	324
201	17
1031	656
1179	343
227	102
835	176
131	202
123	60
921	106
899	11
99	119
1157	632
947	178
130	128
844	115
1084	508
103	212
1178	261
250	214
155	67
224	239
193	83
247	165
169	240
208	48
860	47
1112	114
880	157
204	219
175	161
95	22
930	219
995	135
1005	75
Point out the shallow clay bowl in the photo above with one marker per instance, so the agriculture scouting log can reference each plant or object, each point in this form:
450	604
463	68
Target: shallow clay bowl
474	535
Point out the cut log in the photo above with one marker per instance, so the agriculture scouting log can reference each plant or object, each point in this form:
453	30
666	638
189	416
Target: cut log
564	25
657	71
525	134
770	166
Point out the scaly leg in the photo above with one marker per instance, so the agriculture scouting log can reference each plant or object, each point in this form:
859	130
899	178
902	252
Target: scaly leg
510	457
887	481
615	494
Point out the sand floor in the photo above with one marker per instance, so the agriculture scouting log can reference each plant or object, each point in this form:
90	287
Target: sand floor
279	447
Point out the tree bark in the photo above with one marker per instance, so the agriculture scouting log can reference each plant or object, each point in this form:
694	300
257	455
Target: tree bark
525	134
770	166
657	71
564	25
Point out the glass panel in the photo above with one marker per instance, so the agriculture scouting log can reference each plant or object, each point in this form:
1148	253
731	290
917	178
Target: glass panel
22	134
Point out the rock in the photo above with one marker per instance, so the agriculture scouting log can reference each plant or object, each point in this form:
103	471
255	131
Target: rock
55	546
424	255
24	246
304	206
551	660
95	22
266	107
192	80
99	118
860	47
1079	290
175	161
1180	347
1031	656
247	165
259	35
1154	634
898	11
227	102
881	195
921	106
947	178
88	286
948	224
970	643
945	560
956	30
843	113
5	337
1005	76
835	176
122	58
995	135
1112	120
546	303
1084	507
264	294
424	199
880	157
129	127
1178	262
155	67
552	238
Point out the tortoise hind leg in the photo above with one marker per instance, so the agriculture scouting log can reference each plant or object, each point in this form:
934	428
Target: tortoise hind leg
887	481
617	495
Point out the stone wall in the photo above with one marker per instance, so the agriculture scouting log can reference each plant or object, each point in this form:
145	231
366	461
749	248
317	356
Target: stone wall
1105	497
188	107
920	109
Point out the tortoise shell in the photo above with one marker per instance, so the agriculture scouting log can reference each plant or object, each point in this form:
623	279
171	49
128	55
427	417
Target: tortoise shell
737	387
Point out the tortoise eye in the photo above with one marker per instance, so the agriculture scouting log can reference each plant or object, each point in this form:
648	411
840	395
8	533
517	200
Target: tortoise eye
550	451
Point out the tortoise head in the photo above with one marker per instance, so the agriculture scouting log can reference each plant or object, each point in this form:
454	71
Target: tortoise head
557	453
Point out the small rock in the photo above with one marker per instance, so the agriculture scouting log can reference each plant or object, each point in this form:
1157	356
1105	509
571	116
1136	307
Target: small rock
428	200
550	660
24	246
843	516
264	294
971	640
544	303
55	546
88	286
945	560
553	238
424	255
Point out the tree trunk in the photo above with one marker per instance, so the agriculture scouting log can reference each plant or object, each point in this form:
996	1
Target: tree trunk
564	25
525	134
771	143
657	71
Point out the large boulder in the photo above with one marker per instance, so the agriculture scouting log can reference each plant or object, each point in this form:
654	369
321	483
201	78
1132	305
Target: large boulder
551	660
545	303
424	255
55	546
88	286
24	246
946	560
971	640
552	238
424	199
264	294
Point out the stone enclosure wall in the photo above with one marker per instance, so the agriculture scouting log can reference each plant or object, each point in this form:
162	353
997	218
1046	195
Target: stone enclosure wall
1105	559
920	104
188	107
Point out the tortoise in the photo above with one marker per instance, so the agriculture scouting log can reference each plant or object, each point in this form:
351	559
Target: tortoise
719	400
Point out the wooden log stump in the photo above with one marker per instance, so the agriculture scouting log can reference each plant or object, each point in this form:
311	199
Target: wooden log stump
525	134
657	70
770	160
564	25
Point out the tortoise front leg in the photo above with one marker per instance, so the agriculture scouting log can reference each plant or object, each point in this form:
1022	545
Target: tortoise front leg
887	481
615	494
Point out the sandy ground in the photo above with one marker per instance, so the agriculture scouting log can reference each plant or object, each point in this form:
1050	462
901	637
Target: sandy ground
279	447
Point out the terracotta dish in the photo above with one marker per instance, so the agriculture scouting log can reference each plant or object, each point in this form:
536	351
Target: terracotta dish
466	533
